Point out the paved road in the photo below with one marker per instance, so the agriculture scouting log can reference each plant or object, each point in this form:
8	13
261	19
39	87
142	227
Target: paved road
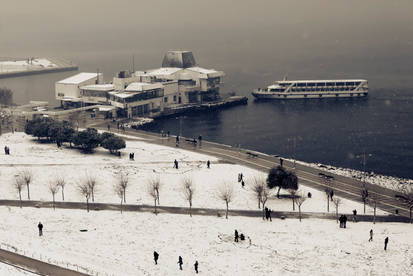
35	266
195	211
345	187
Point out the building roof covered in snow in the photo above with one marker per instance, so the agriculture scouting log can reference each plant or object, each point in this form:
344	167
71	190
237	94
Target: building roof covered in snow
79	78
163	71
142	86
99	87
180	59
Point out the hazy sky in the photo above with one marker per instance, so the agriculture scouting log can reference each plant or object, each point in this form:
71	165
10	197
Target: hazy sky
226	34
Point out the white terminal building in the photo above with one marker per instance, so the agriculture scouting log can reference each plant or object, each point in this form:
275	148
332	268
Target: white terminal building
177	83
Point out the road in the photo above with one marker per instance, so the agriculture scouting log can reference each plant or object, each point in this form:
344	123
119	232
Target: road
345	187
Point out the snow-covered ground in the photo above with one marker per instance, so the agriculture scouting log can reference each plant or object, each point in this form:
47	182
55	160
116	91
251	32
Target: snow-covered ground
123	244
46	162
10	270
21	65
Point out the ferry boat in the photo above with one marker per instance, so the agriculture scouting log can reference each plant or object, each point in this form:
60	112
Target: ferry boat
310	89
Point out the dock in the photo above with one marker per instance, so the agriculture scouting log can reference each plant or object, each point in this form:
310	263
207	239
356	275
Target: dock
224	103
20	68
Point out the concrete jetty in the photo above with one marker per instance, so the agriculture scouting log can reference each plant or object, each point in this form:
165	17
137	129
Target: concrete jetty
32	66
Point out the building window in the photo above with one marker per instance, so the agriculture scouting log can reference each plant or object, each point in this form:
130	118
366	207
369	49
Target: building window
165	100
174	98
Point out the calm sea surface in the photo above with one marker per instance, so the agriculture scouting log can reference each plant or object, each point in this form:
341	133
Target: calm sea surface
254	45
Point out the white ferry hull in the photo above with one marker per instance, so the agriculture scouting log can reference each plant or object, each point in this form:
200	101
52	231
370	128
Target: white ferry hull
313	95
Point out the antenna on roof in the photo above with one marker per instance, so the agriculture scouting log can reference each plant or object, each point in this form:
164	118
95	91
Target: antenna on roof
285	77
133	63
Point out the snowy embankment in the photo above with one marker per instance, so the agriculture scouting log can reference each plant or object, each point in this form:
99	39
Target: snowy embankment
10	270
46	162
21	65
389	182
123	244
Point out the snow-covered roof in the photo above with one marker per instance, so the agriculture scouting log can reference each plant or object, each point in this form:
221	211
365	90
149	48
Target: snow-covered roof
79	78
163	71
122	94
209	72
99	87
142	86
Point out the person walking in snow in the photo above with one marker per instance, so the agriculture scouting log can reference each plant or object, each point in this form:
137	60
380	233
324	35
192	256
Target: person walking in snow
281	162
331	194
371	235
40	226
386	241
269	214
177	141
236	236
196	266
180	262
266	213
155	257
344	221
208	164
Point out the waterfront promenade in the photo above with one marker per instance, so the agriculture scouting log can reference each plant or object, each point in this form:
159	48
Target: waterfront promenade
345	187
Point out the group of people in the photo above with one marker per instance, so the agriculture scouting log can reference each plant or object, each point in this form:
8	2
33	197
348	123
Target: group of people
343	221
6	150
132	156
180	261
268	214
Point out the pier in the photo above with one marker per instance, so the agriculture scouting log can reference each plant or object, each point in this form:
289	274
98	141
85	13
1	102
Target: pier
9	70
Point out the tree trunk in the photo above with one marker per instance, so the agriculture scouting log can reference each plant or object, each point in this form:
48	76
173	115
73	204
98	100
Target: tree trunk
337	213
93	195
299	212
190	208
328	203
20	196
124	195
63	193
121	206
259	205
278	192
28	191
263	212
226	213
87	204
156	213
293	203
53	203
411	207
364	203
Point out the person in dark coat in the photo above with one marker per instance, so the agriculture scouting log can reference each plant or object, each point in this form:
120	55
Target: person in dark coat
371	235
266	213
331	194
155	257
355	215
269	214
386	241
180	262
281	162
176	164
196	266
177	140
242	183
208	164
40	226
236	236
341	221
345	221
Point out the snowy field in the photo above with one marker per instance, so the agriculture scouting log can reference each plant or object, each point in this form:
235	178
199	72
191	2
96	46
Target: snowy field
46	162
123	244
21	65
10	270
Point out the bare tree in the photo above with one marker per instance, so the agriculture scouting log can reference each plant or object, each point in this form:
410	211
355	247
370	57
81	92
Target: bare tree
364	196
92	183
407	196
153	188
123	184
328	193
257	189
27	177
120	192
188	190
61	182
226	193
373	199
53	187
293	194
84	190
19	185
337	202
300	200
